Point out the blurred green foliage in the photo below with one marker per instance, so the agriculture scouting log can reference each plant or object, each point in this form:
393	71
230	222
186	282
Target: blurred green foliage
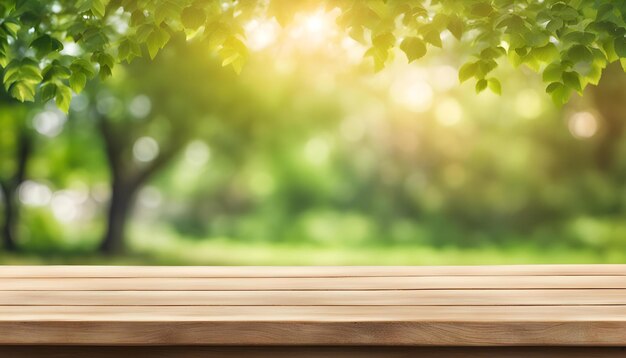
308	157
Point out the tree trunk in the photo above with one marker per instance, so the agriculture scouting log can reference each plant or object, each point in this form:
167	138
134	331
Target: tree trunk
10	188
120	207
126	182
9	224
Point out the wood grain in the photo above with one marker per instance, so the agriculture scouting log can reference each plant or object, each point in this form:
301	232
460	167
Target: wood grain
322	306
312	283
322	314
314	333
317	298
309	352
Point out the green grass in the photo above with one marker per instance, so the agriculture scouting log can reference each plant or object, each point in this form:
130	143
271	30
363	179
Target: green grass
172	250
157	246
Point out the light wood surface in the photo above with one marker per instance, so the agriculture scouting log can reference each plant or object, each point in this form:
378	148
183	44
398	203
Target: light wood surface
312	283
284	306
309	352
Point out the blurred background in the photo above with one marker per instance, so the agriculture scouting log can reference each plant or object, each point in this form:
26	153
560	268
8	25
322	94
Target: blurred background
309	157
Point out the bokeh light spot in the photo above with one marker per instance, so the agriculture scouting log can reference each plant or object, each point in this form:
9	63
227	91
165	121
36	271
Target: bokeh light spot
449	112
528	104
145	149
583	125
49	123
197	153
317	150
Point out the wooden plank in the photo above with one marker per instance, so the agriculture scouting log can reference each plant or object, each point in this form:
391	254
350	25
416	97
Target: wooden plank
388	306
308	352
316	298
308	271
289	314
315	333
315	283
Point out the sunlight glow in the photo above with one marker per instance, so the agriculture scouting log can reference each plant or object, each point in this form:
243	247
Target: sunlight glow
583	125
261	34
444	78
449	112
414	94
314	29
528	104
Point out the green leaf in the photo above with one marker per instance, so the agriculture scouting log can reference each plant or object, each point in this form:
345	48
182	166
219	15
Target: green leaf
235	53
579	53
104	59
143	31
413	47
84	66
384	41
561	94
579	37
167	9
482	9
620	47
547	53
105	72
98	7
11	26
485	67
481	85
433	37
193	17
379	56
123	50
490	53
467	71
55	72
48	91
24	71
78	81
94	39
45	44
456	27
572	80
63	98
495	86
156	41
554	25
22	91
553	86
552	73
609	50
564	11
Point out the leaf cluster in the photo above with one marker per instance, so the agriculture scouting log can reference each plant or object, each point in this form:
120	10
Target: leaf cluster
50	48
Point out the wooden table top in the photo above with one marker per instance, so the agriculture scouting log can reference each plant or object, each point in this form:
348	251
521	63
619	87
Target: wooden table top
442	306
